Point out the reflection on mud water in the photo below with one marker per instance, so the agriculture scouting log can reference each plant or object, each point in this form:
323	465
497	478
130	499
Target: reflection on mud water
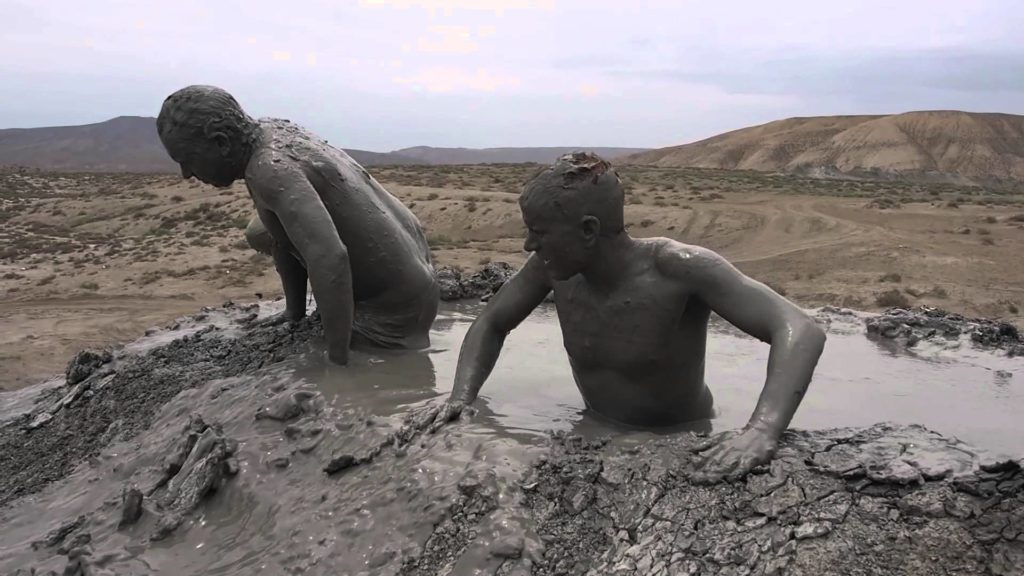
283	514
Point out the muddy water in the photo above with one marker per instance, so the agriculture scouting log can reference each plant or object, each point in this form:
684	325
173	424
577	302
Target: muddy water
283	514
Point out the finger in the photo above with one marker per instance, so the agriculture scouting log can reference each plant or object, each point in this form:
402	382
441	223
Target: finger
712	441
716	468
444	415
426	417
713	455
742	468
439	421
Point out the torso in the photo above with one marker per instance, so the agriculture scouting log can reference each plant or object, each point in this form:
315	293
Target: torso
387	248
637	350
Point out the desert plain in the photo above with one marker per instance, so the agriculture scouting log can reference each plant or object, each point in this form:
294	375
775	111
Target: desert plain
89	260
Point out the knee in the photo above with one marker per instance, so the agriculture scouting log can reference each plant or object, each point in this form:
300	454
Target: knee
258	238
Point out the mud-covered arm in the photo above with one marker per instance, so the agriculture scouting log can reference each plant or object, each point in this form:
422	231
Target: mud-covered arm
504	311
291	270
795	338
286	192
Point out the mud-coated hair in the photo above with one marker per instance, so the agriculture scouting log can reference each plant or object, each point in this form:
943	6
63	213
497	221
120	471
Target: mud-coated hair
580	184
198	112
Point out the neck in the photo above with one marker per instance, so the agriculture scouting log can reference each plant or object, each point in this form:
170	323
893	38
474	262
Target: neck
250	140
610	260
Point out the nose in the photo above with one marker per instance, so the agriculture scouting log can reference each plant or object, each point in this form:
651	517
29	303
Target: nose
531	244
185	172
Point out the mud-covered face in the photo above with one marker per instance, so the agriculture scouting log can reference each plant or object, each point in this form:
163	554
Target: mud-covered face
565	247
209	160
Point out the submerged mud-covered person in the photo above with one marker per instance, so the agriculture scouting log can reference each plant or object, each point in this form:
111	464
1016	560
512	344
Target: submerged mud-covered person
326	220
634	318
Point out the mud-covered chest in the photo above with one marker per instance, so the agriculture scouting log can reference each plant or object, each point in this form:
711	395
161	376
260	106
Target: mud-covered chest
618	330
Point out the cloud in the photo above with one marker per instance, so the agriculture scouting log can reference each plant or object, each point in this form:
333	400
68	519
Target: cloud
822	73
644	73
447	7
453	40
444	79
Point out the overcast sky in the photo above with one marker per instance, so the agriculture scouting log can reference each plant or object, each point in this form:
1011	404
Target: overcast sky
386	74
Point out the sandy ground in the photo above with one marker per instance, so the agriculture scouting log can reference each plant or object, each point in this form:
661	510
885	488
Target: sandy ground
94	260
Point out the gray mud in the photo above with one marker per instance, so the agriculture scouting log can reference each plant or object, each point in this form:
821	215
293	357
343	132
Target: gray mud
217	446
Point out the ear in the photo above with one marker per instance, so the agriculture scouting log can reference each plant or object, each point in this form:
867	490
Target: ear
591	228
223	143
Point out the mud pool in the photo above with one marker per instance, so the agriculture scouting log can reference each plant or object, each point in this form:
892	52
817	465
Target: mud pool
281	513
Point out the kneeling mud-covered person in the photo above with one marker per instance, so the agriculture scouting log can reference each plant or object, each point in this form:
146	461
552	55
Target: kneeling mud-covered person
634	319
322	217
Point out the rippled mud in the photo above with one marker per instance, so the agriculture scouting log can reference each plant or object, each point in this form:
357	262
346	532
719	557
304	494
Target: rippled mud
221	446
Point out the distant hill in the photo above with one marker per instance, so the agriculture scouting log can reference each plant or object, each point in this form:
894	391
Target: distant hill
949	143
367	158
431	155
123	144
131	144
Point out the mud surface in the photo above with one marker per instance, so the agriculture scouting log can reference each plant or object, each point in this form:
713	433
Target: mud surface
218	446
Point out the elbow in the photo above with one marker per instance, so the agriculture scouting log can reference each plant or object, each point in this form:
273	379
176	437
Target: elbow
487	327
803	333
812	336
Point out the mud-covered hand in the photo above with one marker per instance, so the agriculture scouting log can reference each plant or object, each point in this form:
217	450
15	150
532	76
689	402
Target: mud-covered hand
431	418
450	411
731	455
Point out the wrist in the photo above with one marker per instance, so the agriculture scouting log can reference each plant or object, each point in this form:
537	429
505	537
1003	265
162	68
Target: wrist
459	398
765	427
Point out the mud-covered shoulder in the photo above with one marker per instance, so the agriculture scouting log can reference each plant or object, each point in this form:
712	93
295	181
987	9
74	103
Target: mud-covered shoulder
679	261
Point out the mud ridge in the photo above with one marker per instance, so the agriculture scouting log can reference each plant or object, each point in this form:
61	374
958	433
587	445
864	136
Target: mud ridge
456	285
912	325
114	396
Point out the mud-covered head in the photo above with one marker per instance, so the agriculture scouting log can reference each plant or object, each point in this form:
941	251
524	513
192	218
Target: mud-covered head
205	130
568	208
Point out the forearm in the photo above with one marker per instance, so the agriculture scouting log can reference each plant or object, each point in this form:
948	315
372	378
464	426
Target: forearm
791	363
293	282
332	287
480	350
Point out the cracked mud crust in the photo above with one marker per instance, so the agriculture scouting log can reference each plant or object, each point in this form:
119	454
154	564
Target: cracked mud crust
883	500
